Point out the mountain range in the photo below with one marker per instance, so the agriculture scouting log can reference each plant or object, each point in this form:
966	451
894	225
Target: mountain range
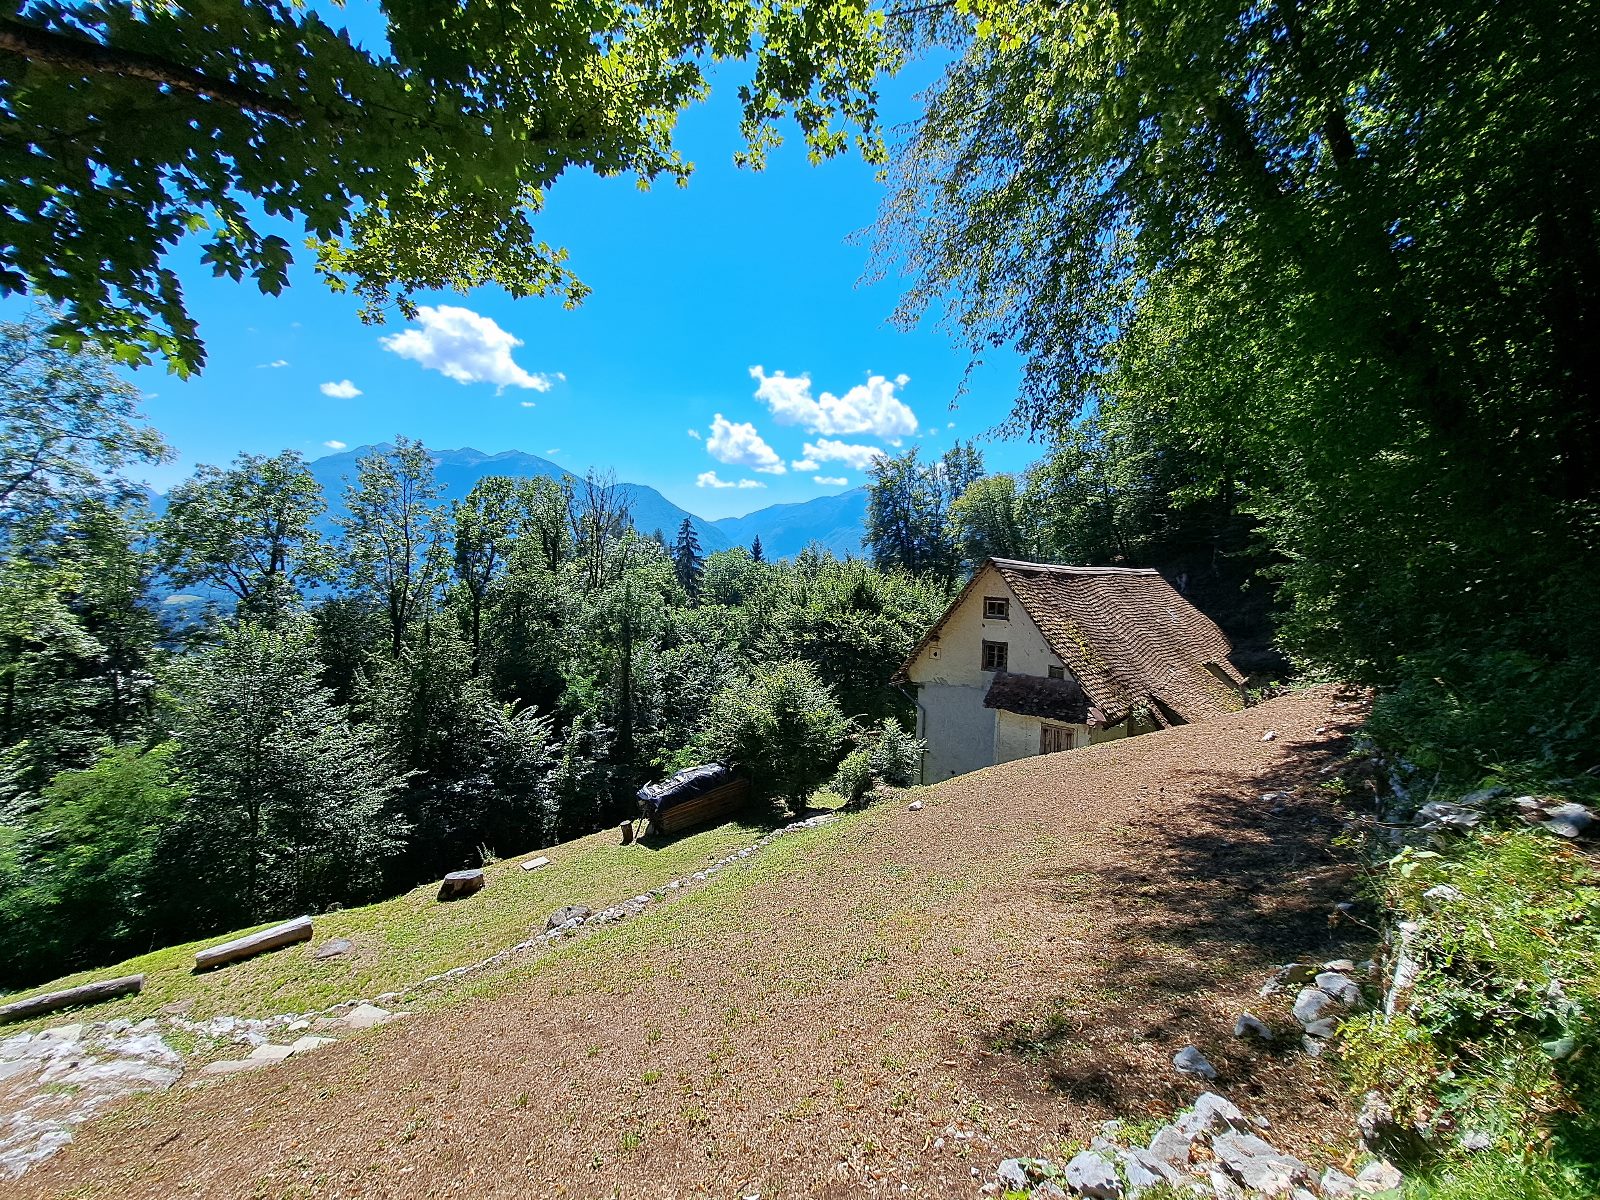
836	523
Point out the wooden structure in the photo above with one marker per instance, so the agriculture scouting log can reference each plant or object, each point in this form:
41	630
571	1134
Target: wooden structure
87	993
287	934
694	796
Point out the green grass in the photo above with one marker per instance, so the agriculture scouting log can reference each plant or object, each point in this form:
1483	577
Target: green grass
400	941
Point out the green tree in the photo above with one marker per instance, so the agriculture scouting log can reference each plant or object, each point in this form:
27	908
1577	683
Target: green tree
288	804
783	728
393	536
908	510
478	769
78	642
756	553
248	531
486	527
687	561
1272	230
992	520
414	167
68	425
81	891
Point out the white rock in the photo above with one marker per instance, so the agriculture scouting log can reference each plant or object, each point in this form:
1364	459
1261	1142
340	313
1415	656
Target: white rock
310	1042
1144	1170
915	806
1378	1177
533	864
1211	1114
230	1066
1171	1145
1269	735
1259	1165
1089	1174
271	1053
365	1016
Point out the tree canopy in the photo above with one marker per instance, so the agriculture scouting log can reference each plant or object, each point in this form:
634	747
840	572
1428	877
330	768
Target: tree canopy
126	128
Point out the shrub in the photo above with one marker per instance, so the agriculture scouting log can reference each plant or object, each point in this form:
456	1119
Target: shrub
853	779
783	729
896	755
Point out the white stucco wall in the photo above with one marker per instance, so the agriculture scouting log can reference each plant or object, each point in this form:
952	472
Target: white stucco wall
959	730
1015	737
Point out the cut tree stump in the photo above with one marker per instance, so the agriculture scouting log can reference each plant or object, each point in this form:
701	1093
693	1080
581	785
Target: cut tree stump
88	993
460	883
287	934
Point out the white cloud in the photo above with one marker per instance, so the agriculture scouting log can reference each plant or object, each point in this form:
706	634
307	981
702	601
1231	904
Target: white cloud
856	457
804	464
529	404
708	479
555	451
830	480
739	445
466	346
870	407
696	435
343	390
273	365
334	444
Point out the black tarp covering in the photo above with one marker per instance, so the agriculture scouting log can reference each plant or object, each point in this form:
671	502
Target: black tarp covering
657	798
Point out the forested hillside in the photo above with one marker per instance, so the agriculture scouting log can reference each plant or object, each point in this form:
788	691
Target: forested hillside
412	687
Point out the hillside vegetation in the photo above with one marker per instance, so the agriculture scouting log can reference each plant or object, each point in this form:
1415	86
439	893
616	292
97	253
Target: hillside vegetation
995	972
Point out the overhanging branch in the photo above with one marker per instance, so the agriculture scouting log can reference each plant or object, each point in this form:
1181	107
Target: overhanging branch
78	54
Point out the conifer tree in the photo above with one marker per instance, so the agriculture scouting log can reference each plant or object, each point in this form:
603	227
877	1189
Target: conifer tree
687	560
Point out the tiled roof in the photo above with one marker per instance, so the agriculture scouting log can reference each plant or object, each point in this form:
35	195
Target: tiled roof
1031	696
1129	637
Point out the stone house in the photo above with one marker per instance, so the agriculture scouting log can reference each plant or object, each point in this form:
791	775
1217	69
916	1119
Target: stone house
1033	659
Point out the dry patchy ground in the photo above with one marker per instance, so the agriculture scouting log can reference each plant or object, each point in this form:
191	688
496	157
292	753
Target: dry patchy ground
878	1006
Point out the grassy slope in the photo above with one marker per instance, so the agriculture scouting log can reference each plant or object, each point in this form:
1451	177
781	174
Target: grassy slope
403	940
1018	960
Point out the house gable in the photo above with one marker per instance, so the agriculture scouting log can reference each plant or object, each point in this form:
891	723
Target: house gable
952	652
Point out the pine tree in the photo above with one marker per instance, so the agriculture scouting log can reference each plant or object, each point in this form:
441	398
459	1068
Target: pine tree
687	560
756	553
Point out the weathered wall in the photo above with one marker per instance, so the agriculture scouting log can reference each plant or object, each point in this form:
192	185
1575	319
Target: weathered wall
959	730
1018	736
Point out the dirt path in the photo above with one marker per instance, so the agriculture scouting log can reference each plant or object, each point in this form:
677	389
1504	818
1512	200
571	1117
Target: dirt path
887	1005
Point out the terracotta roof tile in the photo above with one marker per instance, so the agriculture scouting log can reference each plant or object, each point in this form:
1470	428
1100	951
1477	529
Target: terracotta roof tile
1129	638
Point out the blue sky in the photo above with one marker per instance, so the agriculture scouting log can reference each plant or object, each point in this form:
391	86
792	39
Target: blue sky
693	289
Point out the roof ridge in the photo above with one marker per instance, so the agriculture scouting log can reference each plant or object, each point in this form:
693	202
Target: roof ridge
1022	564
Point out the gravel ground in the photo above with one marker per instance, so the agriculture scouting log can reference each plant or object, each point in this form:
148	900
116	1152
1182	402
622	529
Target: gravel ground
887	1005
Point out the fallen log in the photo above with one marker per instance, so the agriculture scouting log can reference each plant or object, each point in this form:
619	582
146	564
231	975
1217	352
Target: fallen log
287	934
88	993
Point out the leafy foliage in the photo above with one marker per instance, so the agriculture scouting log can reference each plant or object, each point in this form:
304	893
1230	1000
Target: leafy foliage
783	728
417	167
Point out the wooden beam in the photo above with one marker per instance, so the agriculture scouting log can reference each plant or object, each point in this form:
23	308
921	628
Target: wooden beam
287	934
88	993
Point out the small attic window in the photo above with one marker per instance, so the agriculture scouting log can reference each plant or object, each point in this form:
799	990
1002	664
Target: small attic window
996	608
1056	672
